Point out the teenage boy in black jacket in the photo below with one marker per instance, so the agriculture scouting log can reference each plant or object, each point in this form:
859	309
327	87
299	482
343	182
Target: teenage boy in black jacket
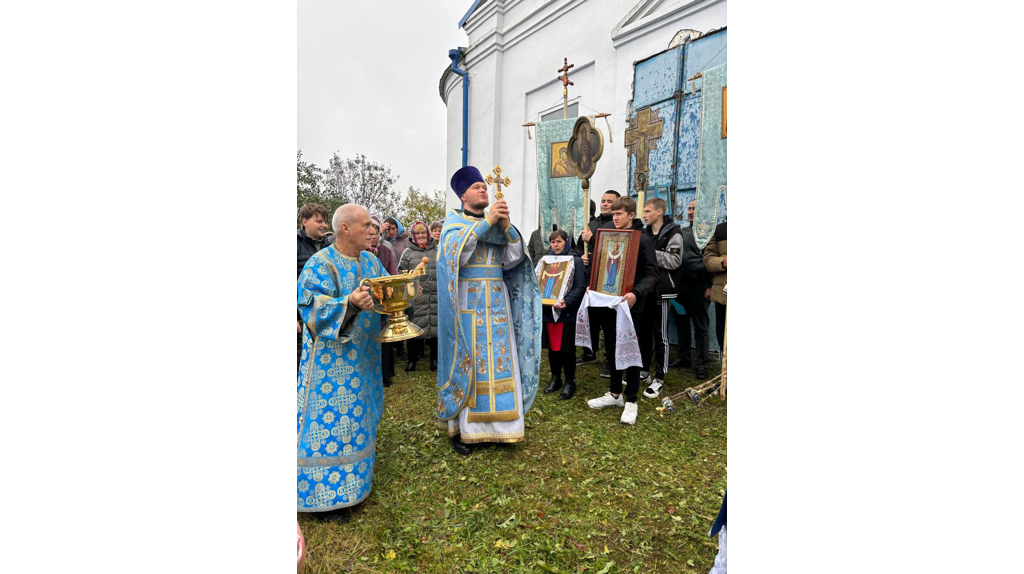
644	281
602	221
668	245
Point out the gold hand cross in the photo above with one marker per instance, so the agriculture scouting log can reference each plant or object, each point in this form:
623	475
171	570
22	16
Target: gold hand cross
497	179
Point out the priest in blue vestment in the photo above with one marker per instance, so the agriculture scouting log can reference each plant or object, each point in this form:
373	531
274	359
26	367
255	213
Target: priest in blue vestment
340	391
489	321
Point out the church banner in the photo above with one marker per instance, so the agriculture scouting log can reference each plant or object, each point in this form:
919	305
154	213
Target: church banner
560	192
711	156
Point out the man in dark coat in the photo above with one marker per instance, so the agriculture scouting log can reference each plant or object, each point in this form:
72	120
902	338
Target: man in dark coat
694	290
644	289
311	238
588	237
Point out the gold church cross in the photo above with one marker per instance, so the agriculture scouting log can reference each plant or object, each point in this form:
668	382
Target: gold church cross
496	179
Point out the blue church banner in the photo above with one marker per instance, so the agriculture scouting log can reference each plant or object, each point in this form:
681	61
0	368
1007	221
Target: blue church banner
559	191
711	170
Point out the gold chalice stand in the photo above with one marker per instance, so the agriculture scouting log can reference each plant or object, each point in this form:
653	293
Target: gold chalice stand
392	295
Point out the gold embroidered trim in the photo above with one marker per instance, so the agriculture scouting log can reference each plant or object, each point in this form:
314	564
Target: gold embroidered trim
497	417
496	387
494	437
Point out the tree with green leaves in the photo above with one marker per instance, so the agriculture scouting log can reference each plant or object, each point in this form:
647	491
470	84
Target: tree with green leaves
421	206
357	180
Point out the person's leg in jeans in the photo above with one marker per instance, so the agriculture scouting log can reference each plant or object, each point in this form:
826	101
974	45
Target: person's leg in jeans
555	362
632	383
646	339
569	366
659	330
697	309
683	334
433	353
720	324
608	328
415	348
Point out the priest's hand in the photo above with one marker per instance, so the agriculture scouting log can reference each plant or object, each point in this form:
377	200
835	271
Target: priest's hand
560	305
630	299
498	213
361	298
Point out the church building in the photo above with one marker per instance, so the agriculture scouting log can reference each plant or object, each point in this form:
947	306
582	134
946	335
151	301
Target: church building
625	56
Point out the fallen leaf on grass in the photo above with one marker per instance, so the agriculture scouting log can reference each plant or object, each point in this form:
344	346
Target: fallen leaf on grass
606	568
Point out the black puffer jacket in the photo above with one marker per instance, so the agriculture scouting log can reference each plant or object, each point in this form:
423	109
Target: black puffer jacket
424	307
307	248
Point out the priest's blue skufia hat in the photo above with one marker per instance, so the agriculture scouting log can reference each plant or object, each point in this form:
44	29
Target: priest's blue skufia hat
465	177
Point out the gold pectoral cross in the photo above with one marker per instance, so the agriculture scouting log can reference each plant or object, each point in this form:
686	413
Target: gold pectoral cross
497	179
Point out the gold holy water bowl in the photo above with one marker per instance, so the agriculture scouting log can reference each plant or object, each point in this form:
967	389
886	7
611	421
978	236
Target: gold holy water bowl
392	295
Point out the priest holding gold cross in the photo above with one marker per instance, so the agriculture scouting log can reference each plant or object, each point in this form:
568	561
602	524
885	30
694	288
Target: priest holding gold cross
489	318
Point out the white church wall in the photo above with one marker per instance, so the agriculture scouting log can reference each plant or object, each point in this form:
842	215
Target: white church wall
515	48
454	137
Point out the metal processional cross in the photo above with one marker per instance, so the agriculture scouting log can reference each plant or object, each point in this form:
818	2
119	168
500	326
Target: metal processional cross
565	86
642	136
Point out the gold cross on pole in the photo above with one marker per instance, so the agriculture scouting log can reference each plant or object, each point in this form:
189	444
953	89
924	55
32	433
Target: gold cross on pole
497	179
642	136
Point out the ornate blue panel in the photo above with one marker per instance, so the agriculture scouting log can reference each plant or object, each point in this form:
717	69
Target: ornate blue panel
659	160
656	78
708	52
689	138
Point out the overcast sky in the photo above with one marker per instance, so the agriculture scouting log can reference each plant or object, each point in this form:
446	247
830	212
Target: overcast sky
368	73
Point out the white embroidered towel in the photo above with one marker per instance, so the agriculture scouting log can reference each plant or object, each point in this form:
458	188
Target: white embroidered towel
627	348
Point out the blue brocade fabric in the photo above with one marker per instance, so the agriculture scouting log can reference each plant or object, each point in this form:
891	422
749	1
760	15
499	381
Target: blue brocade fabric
454	360
340	389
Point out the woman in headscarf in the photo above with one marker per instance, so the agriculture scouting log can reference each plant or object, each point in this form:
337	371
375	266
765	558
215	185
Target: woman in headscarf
424	309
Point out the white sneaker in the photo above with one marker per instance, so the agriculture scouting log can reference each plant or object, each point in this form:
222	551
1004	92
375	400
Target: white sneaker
629	414
654	390
605	401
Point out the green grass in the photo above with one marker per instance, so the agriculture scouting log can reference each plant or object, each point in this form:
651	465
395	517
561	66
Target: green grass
583	493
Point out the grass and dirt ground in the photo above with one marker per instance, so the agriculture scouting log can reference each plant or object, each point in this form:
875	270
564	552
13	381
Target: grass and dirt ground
583	494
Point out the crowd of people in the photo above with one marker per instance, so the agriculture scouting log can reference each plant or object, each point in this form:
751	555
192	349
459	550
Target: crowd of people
669	267
480	309
484	327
